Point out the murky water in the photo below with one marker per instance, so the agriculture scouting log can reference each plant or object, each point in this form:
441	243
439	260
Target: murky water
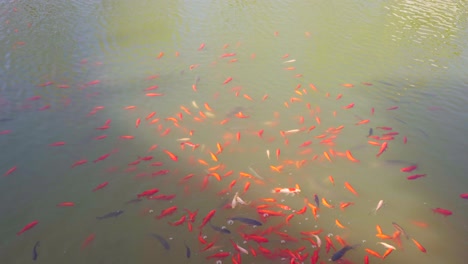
76	76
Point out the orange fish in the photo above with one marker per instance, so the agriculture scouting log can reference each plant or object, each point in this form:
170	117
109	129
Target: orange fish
171	155
420	247
350	156
339	224
350	188
383	147
229	79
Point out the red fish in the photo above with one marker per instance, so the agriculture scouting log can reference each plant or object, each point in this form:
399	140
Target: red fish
409	169
27	227
103	157
464	195
148	193
219	255
383	147
416	176
10	171
167	211
56	144
442	211
79	162
100	186
207	218
66	204
178	222
87	241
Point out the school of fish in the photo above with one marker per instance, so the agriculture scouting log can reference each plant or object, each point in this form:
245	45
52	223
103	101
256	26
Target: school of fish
257	218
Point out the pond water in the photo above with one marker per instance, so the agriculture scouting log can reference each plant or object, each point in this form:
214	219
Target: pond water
357	104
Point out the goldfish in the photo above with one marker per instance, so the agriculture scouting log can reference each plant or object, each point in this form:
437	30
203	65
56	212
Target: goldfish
419	246
350	188
171	155
409	169
383	147
100	186
207	218
168	211
27	227
65	204
415	176
287	191
442	211
88	241
148	192
10	171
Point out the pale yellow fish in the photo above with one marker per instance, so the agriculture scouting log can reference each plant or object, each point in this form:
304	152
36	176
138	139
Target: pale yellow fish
292	131
387	245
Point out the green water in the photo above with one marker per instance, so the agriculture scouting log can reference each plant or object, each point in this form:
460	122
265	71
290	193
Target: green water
410	54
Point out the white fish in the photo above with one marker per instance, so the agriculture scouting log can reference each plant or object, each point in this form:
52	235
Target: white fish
195	104
234	201
239	200
183	139
379	205
268	153
319	242
292	131
387	245
289	61
241	249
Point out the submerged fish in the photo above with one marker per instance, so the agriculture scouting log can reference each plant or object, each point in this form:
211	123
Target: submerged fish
188	253
134	200
162	240
111	214
247	221
399	228
340	253
220	229
371	132
317	201
35	254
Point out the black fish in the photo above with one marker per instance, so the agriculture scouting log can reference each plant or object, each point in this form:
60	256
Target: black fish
246	221
135	200
317	201
220	229
340	253
35	254
187	251
161	239
371	132
111	214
